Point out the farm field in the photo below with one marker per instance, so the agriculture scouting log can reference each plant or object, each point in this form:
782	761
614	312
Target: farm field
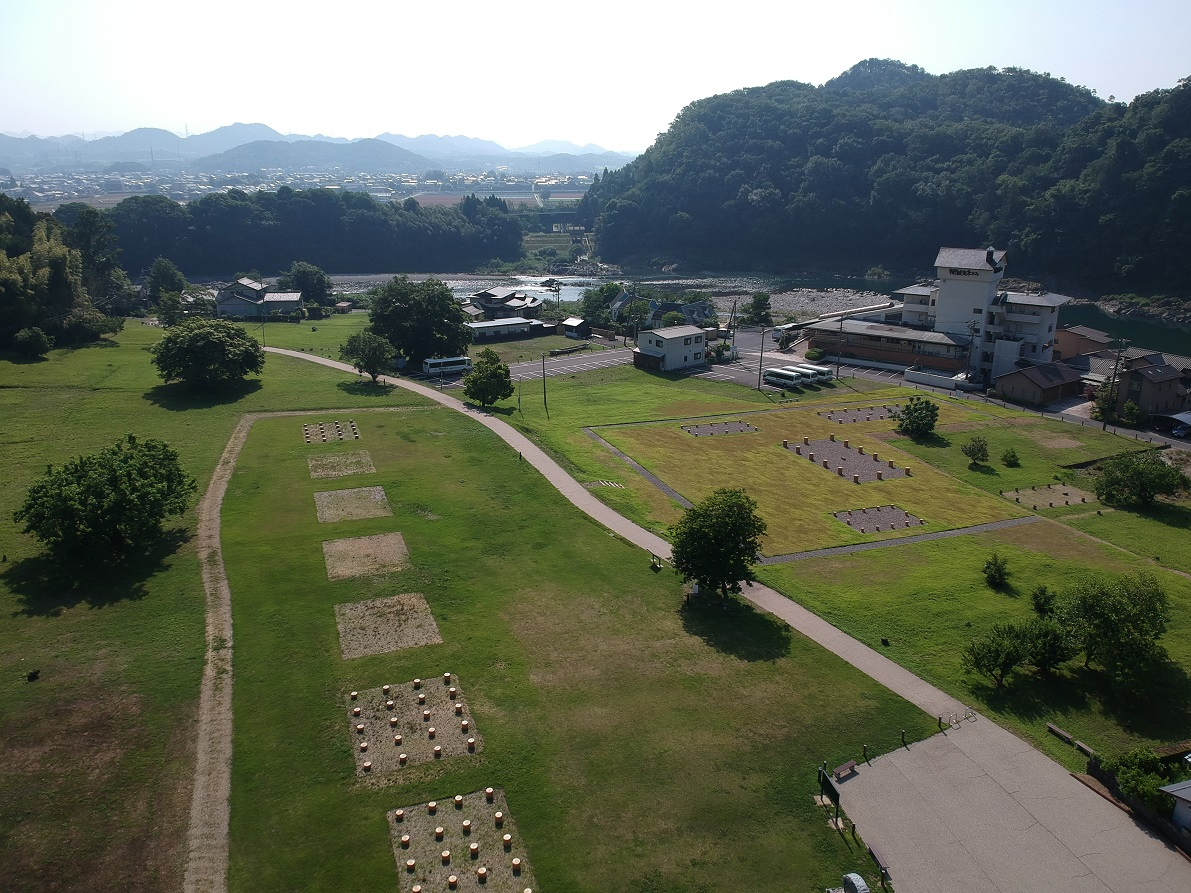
587	679
96	757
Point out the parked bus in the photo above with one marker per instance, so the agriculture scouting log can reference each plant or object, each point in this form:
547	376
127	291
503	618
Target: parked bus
813	373
783	377
443	366
826	373
778	331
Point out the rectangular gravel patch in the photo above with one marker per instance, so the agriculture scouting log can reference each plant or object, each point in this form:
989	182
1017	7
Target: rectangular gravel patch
338	465
365	556
352	505
381	625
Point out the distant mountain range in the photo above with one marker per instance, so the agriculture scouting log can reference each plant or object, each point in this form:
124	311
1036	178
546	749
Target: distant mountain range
244	147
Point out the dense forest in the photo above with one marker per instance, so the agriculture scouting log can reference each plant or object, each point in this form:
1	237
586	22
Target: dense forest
339	231
886	163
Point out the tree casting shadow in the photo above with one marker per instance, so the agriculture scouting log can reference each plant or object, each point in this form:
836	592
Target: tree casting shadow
736	628
178	397
364	387
46	586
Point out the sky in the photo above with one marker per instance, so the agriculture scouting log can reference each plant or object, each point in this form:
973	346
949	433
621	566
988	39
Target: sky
612	73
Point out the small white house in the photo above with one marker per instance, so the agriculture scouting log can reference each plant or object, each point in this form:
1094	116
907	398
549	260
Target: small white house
1181	792
676	347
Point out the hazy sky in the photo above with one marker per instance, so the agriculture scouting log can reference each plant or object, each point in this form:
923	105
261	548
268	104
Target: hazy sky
614	73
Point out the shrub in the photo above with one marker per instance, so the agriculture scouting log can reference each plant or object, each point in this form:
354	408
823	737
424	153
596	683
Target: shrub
976	450
1043	600
32	342
996	571
1009	458
814	354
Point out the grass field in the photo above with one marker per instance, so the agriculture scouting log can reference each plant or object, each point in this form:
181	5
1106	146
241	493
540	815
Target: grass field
322	337
930	599
96	757
642	745
625	395
589	683
511	352
796	497
1045	448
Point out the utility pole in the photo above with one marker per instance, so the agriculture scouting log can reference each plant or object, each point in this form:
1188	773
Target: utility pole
839	346
761	362
1112	386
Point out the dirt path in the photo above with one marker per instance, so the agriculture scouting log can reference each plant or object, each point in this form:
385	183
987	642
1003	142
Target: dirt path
207	835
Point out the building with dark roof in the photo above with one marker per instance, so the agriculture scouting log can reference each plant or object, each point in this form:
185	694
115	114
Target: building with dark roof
1039	384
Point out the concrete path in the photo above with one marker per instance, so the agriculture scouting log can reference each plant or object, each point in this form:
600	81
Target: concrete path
972	809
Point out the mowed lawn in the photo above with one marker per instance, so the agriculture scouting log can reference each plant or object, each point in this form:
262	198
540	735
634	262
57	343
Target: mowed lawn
1045	448
626	395
97	756
321	337
796	497
930	600
641	746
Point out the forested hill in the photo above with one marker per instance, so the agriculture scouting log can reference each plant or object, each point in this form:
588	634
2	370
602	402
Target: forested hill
886	163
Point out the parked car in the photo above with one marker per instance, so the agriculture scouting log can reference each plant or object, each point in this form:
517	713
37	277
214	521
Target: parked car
1180	430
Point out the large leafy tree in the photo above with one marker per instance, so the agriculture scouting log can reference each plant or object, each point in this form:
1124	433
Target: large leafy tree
207	354
420	319
917	418
108	505
717	542
164	278
757	312
489	379
1116	622
315	285
369	353
1137	478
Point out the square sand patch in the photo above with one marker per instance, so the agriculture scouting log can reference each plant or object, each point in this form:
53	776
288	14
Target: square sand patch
365	556
401	713
351	505
414	832
388	624
337	465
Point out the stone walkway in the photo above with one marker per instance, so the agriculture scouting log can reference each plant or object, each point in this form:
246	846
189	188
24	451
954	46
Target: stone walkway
975	809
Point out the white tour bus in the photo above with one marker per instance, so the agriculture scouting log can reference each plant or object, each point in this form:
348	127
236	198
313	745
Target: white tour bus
814	373
783	377
826	373
443	366
778	331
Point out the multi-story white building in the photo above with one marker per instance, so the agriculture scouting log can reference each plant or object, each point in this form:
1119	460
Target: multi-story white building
1006	326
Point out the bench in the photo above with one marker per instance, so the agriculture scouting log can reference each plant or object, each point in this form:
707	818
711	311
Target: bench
1057	732
1084	749
882	865
846	769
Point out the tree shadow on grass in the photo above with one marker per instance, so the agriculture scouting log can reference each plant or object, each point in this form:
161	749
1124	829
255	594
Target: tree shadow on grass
1031	698
1157	705
46	586
981	468
178	397
737	628
364	387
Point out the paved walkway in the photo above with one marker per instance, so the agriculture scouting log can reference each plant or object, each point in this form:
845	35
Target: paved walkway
975	809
